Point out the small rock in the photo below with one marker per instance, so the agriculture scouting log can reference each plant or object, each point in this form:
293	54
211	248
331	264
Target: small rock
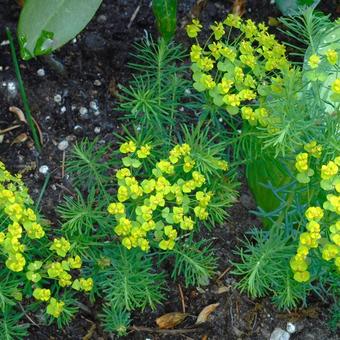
97	129
74	40
290	328
97	82
95	42
94	105
220	120
101	19
63	145
279	334
44	169
57	98
11	87
41	72
96	113
63	109
83	111
4	43
78	130
247	201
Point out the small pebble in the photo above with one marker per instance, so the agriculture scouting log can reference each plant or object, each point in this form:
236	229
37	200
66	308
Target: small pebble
63	145
96	113
63	109
78	130
1	68
11	87
97	129
4	43
83	111
41	72
291	328
97	82
57	98
74	40
44	169
220	120
101	19
93	105
279	334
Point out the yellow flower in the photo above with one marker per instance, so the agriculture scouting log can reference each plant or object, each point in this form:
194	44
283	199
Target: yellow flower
15	262
328	171
206	63
122	173
55	269
116	208
314	213
201	213
218	30
313	149
233	20
55	307
126	242
74	263
249	114
302	276
301	163
143	244
314	61
330	251
208	81
128	147
65	279
144	151
336	85
42	294
61	246
332	56
194	28
166	167
232	100
167	244
195	53
215	49
187	223
225	85
189	163
86	284
170	232
223	165
123	193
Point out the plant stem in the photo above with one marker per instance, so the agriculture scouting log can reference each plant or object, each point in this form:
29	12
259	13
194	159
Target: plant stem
43	189
22	91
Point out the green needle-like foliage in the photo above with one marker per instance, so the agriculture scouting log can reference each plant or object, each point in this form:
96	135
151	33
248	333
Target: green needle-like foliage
130	281
81	215
115	320
194	261
87	166
11	327
264	260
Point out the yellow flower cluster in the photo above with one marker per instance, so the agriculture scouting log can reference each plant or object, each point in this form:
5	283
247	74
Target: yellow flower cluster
330	55
21	221
14	203
153	210
316	227
231	73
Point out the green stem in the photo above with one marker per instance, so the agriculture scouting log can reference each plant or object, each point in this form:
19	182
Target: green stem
22	91
43	189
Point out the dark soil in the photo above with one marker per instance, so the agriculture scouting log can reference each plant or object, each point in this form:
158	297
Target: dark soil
95	62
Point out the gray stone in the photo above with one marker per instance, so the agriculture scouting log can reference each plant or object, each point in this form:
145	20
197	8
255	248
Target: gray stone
63	145
279	334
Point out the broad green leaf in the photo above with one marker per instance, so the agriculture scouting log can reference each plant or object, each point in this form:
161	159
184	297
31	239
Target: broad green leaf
45	25
288	7
127	161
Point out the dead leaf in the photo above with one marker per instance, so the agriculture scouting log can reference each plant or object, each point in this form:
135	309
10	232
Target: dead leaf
9	129
20	139
170	320
113	88
205	312
21	3
2	138
19	113
239	7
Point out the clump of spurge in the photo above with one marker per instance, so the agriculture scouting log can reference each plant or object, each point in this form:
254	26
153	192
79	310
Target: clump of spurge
322	234
231	70
34	265
153	208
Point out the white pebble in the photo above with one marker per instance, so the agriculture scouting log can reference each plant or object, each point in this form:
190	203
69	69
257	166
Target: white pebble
97	129
11	87
220	120
4	43
44	169
74	41
63	145
57	98
63	109
96	113
93	105
83	111
41	72
1	68
97	82
279	334
291	328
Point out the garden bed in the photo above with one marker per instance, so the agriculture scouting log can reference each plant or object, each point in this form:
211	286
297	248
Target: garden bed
83	103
